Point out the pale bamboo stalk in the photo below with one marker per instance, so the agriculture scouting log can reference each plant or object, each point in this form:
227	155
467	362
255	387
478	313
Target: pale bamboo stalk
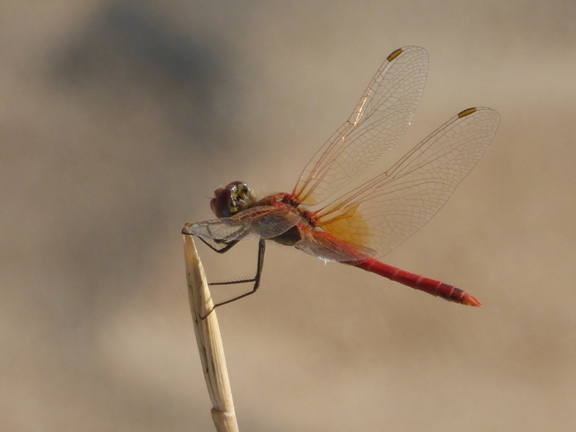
209	341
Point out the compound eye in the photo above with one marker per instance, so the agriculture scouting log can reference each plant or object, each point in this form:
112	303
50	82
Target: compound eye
222	203
232	199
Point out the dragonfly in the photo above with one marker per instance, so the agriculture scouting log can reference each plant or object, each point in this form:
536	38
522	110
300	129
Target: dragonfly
360	226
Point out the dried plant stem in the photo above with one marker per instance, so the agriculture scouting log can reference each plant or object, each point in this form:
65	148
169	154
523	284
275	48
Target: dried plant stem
209	341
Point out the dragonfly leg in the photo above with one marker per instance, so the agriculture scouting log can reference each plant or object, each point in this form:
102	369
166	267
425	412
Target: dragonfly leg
220	247
255	279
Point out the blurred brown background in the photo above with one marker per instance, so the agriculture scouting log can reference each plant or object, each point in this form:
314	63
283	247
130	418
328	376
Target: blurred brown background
118	119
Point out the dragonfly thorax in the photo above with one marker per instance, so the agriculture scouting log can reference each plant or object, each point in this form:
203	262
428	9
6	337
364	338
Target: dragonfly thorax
232	199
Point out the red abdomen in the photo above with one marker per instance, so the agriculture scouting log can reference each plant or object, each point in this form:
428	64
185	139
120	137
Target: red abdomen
431	286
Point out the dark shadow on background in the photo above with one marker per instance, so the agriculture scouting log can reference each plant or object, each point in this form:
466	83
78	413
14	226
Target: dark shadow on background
126	47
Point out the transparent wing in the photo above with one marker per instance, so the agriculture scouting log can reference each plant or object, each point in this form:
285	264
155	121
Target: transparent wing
379	120
388	209
325	246
256	222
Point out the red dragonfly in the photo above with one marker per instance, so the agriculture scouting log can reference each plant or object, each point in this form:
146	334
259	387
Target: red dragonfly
375	217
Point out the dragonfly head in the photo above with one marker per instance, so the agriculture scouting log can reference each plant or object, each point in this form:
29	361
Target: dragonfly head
232	199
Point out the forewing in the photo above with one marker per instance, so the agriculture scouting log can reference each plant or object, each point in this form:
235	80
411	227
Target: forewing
391	207
379	120
256	222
